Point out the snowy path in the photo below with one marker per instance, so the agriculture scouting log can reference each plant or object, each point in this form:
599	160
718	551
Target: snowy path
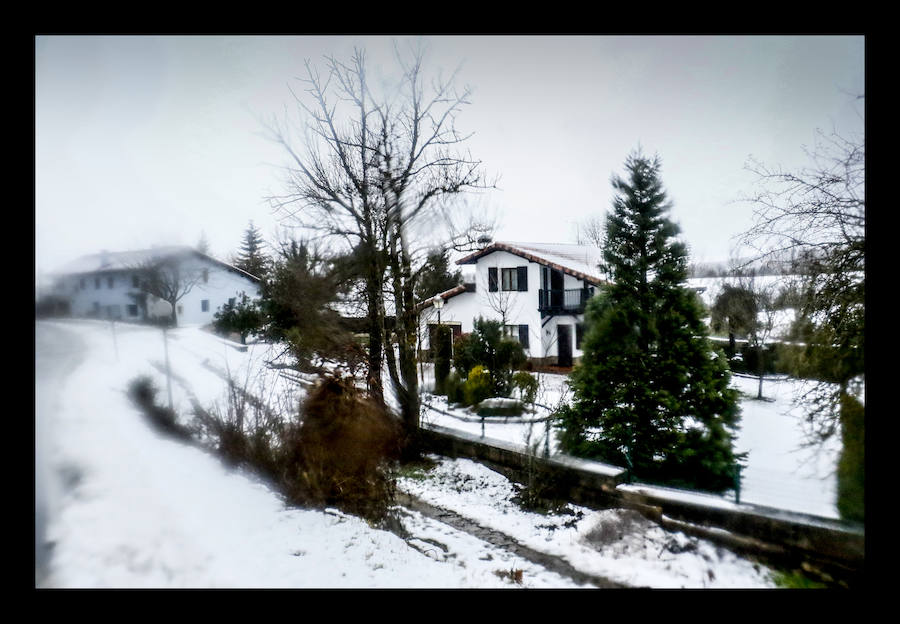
138	510
503	541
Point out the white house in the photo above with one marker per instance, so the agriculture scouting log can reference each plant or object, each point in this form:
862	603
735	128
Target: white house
107	285
538	291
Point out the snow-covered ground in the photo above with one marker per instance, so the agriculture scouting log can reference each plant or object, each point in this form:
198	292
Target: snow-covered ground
129	508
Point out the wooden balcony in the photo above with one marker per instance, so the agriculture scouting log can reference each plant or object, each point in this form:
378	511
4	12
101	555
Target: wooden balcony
559	301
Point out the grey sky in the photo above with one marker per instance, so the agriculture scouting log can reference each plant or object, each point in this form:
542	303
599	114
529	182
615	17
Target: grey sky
153	140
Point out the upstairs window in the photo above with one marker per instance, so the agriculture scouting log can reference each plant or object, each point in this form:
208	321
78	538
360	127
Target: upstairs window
205	275
110	280
204	305
514	279
135	281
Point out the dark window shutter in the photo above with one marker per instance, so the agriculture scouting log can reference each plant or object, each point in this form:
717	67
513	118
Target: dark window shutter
492	279
522	278
523	335
579	334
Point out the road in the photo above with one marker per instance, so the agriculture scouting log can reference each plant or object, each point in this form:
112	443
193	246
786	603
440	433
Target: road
57	352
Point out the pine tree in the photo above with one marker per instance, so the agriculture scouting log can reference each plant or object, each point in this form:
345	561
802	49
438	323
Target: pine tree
203	244
650	393
435	277
252	258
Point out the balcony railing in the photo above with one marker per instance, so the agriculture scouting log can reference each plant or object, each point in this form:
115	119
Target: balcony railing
559	301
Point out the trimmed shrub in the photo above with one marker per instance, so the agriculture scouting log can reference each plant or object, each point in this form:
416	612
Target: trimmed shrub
500	407
851	469
478	386
443	352
487	346
453	388
527	385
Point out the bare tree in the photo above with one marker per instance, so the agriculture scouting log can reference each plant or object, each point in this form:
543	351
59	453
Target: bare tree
376	166
817	216
747	307
590	231
168	277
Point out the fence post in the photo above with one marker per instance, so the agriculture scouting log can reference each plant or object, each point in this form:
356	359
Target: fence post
168	370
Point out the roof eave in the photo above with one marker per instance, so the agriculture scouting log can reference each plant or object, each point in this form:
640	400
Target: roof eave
474	257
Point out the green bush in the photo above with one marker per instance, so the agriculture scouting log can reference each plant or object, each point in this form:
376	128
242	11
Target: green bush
478	386
851	470
243	317
453	388
487	347
443	352
527	385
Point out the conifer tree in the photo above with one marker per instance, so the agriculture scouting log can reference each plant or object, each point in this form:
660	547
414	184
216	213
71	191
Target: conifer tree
252	258
203	244
650	393
435	275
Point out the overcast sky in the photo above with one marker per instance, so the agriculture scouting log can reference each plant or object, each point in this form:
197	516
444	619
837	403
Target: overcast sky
144	140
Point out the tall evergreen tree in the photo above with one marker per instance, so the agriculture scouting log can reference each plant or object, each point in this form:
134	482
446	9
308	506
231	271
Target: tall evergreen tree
203	244
435	276
650	392
252	257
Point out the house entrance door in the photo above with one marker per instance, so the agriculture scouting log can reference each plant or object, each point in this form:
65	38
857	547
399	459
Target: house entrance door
564	345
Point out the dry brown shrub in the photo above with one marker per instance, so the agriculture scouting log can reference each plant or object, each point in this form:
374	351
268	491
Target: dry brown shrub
339	453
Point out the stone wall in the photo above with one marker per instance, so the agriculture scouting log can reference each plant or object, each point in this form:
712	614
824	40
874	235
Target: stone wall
830	548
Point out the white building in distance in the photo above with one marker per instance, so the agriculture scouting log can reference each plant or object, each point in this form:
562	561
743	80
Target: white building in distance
537	290
107	285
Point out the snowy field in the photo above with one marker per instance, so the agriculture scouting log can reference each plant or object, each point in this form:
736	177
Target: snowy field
124	507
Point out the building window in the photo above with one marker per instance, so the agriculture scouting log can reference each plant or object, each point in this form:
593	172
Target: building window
204	305
492	279
515	278
82	284
135	281
96	283
109	281
205	275
132	310
579	334
518	332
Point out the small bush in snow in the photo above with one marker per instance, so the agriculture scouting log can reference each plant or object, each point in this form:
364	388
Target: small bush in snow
143	393
478	386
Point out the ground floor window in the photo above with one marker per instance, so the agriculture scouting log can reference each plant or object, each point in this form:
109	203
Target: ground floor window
204	305
518	332
132	310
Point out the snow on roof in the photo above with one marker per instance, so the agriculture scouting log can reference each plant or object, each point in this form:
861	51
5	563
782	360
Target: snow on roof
128	260
581	261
